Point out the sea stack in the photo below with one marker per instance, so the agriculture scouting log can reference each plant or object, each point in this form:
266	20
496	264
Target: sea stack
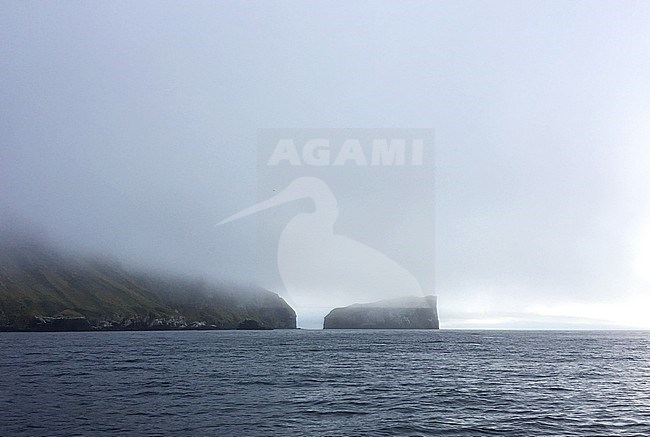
403	313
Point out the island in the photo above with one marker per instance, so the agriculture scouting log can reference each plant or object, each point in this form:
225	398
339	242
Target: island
43	288
402	313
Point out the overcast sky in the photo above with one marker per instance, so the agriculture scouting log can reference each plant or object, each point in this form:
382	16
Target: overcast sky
129	128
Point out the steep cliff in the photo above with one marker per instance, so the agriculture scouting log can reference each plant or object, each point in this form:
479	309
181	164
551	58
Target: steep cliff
42	289
403	313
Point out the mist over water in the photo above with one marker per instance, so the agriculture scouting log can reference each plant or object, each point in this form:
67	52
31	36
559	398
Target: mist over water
164	164
131	129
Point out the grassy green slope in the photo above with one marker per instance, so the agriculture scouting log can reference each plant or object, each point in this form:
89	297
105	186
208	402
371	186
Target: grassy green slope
38	281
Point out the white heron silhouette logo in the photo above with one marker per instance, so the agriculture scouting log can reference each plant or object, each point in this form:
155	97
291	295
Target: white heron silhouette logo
319	268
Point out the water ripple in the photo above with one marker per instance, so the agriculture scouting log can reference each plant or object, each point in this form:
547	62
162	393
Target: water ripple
325	383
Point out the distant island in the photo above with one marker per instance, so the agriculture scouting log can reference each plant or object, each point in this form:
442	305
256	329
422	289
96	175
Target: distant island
401	313
43	289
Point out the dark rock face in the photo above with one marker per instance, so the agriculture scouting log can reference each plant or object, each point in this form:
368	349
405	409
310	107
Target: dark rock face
59	324
403	313
251	325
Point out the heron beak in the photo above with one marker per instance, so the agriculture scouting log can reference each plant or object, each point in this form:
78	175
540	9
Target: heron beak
279	199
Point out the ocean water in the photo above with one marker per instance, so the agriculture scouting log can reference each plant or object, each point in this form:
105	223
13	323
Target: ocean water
325	383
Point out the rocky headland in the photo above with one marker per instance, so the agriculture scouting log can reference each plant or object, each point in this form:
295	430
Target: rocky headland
43	289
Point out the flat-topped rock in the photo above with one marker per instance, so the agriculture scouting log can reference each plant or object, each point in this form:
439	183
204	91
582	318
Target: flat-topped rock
403	313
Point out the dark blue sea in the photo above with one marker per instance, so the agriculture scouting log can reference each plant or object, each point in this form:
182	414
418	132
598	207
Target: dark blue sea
325	383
